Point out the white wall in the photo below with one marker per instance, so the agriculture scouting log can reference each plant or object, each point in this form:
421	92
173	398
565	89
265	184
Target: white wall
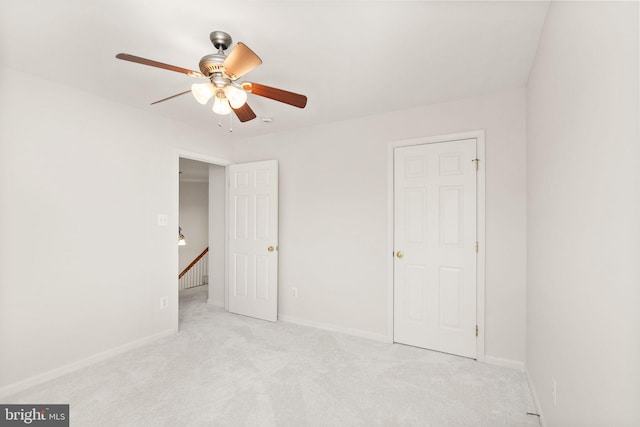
83	264
194	220
583	327
334	224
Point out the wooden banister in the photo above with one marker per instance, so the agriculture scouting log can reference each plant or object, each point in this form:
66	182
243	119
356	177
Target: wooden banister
193	263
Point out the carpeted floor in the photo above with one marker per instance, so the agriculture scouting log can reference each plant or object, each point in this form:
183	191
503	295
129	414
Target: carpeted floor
227	370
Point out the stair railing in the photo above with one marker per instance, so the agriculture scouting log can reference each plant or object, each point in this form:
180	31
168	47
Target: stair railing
196	273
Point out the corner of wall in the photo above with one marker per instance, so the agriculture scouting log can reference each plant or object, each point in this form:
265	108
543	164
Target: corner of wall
534	395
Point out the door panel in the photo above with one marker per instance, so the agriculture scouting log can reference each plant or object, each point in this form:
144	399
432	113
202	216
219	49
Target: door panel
435	229
253	239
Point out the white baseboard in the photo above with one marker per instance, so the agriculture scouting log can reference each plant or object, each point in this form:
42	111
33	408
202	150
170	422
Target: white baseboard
505	363
216	303
534	395
334	328
66	369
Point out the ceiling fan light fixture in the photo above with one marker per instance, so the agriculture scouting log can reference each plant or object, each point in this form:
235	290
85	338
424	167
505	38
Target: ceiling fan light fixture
223	71
221	104
237	97
202	92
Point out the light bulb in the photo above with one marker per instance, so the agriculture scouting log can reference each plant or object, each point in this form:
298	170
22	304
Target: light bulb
237	97
202	92
221	105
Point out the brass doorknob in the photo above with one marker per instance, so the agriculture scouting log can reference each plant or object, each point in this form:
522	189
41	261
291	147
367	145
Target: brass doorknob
399	254
271	249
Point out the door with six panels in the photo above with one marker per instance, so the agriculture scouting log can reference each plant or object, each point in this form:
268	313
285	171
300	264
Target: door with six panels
253	239
435	246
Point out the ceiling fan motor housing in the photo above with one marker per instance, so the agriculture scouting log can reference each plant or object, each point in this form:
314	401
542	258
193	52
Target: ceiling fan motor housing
211	64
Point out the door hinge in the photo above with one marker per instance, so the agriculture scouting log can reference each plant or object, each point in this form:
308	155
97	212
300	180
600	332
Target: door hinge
477	247
477	161
476	330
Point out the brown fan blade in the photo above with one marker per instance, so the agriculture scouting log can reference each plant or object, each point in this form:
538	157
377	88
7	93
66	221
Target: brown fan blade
244	113
240	61
280	95
171	97
144	61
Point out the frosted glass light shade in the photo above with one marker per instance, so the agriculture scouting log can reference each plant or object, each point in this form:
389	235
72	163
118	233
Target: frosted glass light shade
221	106
202	92
237	97
182	241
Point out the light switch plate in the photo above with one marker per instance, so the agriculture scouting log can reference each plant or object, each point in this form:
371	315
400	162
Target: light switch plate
163	220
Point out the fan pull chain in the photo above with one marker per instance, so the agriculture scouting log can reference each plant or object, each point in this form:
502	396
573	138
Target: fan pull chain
230	123
219	121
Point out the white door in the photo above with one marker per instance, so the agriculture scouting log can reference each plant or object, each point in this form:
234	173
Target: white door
253	239
435	246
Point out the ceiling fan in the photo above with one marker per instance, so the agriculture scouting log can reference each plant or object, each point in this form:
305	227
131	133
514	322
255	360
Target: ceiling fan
223	71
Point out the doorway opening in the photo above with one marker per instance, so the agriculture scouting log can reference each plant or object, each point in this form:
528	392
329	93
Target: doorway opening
193	220
242	234
201	217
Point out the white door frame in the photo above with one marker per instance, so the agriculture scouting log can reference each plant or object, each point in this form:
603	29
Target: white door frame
480	218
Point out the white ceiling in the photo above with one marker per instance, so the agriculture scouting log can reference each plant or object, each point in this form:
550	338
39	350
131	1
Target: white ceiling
351	59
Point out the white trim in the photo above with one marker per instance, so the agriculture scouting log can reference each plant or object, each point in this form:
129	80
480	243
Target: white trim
333	328
71	367
481	236
194	155
227	185
534	395
505	363
480	203
390	241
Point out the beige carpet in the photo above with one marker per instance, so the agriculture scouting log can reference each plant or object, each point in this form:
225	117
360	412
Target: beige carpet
228	370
